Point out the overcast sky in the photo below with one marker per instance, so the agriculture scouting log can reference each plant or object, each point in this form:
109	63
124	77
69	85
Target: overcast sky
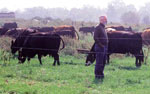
68	4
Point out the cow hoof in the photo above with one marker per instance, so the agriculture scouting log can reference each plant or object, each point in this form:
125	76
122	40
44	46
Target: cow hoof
138	65
19	62
107	63
53	64
87	64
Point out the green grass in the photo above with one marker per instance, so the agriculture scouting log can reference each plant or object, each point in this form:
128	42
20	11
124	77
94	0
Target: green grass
72	77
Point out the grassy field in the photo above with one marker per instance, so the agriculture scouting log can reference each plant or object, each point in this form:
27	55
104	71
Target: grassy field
72	77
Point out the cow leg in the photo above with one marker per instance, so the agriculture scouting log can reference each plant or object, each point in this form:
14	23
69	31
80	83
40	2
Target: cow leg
138	63
56	59
108	59
146	57
139	58
39	57
21	59
28	60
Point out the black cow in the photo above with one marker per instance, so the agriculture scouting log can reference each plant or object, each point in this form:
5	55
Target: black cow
86	30
40	44
3	31
121	42
10	25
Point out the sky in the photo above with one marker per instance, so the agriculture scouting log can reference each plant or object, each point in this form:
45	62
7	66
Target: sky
68	4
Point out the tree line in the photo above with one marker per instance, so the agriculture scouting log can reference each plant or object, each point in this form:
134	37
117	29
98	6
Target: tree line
117	12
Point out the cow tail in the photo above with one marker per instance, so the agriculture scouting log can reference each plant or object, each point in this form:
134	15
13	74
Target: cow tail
63	44
77	34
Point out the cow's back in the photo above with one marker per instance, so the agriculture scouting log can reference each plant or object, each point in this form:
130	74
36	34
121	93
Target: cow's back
124	42
42	43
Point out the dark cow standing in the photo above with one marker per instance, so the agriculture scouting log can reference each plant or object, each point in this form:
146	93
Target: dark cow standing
86	30
40	44
121	42
10	25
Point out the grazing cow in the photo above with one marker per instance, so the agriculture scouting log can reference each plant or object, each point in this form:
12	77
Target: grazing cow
18	44
120	28
121	42
40	44
86	30
66	30
10	25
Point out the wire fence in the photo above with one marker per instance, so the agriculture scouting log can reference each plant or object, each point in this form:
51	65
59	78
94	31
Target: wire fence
79	51
96	38
87	52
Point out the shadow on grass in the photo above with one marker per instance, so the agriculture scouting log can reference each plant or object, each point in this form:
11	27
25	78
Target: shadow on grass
72	63
98	81
128	68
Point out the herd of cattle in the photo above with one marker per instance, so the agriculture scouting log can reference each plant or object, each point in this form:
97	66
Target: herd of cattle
46	41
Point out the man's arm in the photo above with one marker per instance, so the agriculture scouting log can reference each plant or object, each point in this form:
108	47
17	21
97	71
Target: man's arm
97	36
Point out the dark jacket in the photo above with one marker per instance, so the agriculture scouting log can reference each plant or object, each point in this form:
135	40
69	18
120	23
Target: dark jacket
100	36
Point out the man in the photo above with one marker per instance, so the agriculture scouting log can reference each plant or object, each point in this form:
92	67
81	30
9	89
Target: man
101	43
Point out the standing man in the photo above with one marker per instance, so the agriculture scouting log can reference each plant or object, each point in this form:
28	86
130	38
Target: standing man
101	43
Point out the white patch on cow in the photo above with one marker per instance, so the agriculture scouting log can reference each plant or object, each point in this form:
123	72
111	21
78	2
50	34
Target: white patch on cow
110	29
88	63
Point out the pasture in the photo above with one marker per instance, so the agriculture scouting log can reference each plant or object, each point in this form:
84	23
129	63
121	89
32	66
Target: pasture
72	76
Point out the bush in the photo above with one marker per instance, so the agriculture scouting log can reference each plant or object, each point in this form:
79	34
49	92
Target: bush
5	51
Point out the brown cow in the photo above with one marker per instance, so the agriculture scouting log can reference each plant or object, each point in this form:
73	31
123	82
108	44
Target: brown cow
146	41
146	37
66	30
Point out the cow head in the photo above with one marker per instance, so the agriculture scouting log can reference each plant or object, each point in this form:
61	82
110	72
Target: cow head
90	59
14	49
21	58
